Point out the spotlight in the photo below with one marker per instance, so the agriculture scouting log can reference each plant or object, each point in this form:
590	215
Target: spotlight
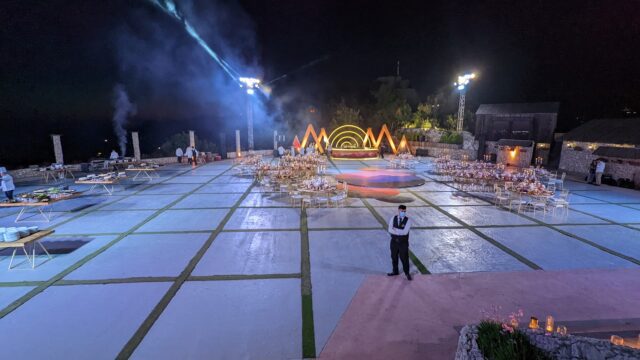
250	91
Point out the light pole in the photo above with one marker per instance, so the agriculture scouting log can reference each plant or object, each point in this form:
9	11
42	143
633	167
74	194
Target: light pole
461	84
250	84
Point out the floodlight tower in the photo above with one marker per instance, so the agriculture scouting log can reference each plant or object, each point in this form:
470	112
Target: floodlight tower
461	84
251	84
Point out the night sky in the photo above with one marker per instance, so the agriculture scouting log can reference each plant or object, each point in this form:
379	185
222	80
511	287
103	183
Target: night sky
60	61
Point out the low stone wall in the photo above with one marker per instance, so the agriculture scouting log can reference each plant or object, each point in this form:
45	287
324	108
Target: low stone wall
559	347
576	157
436	150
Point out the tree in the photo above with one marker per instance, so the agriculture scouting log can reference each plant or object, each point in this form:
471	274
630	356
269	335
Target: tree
450	123
393	102
181	140
345	115
424	116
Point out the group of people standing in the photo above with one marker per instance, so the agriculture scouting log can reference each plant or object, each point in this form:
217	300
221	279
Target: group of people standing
190	152
596	169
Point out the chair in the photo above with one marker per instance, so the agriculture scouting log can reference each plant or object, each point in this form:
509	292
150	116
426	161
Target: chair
539	202
295	196
500	196
322	199
560	182
516	201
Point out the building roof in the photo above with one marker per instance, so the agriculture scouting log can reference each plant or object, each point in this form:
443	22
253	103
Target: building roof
514	142
618	152
607	131
519	108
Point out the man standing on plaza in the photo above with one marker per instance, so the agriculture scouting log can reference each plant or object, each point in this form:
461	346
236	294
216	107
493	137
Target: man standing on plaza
399	226
599	171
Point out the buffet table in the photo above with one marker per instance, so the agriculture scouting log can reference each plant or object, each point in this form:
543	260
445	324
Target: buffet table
145	172
32	239
103	183
40	206
56	174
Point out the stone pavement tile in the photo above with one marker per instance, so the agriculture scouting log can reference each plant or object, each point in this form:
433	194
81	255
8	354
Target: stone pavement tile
79	322
252	253
614	195
204	172
142	255
459	250
576	198
192	179
451	198
85	202
340	261
12	293
142	202
552	250
65	250
264	218
432	186
485	215
404	198
98	222
197	201
420	216
232	179
326	218
267	199
619	238
612	212
562	217
185	220
578	186
245	319
170	189
223	188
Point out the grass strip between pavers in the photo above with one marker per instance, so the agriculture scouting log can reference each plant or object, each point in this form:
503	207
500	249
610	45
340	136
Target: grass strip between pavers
43	286
242	277
308	325
157	310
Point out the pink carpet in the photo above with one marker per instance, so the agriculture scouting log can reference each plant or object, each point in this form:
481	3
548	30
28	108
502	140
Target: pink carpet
391	318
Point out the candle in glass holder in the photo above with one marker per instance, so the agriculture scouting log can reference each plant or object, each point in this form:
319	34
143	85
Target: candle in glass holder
549	324
533	323
617	340
562	330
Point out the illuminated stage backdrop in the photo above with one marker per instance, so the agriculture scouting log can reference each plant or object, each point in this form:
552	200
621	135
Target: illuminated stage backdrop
351	141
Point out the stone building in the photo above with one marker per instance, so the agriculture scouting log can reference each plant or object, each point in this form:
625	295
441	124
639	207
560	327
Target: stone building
516	121
615	140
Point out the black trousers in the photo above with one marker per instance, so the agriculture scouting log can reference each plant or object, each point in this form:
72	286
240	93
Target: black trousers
179	159
400	248
9	194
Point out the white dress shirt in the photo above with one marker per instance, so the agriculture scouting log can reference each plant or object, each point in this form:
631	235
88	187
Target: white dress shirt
399	232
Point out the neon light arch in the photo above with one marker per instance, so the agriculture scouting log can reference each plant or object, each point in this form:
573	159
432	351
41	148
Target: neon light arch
357	137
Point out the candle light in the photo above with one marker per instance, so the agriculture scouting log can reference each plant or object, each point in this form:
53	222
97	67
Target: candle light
549	324
533	323
617	340
562	330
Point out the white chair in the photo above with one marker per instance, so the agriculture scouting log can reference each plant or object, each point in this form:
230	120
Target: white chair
560	182
500	196
322	199
516	200
295	196
539	203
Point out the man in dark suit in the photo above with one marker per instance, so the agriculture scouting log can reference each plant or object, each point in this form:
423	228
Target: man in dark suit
399	226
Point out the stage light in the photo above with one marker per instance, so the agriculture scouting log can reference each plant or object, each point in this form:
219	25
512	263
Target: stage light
250	91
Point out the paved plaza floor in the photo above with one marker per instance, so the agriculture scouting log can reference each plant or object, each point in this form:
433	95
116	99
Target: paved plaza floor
201	263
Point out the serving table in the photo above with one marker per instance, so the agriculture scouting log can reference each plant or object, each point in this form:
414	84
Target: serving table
103	183
142	171
33	239
38	205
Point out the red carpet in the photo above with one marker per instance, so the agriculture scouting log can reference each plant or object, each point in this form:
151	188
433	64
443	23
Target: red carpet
391	318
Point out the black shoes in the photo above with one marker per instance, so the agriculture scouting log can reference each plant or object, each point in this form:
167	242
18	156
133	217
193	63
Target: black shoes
409	277
392	274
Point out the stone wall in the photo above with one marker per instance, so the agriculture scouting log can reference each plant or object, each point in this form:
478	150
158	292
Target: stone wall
559	347
455	151
576	157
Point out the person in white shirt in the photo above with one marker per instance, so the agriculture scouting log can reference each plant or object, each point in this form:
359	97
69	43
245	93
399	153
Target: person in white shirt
188	152
399	227
114	155
7	184
280	151
599	171
179	154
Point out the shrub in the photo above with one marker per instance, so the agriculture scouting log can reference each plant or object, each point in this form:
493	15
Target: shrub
499	344
451	138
